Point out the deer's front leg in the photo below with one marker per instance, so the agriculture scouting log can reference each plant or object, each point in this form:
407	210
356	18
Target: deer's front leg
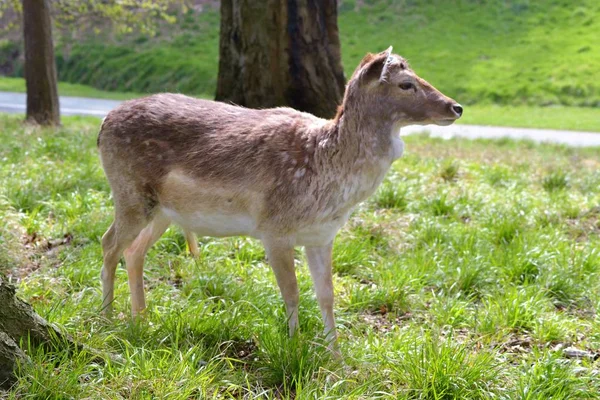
319	263
280	253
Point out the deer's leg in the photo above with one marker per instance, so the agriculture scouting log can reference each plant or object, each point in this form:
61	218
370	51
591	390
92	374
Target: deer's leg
319	263
135	255
112	250
192	242
280	253
121	233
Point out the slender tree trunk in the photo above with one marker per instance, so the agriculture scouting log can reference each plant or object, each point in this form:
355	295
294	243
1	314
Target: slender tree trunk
40	66
281	53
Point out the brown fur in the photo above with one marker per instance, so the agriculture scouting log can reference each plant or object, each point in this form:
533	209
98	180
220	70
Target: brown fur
288	177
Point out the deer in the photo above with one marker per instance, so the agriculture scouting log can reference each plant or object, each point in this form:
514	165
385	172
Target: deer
284	177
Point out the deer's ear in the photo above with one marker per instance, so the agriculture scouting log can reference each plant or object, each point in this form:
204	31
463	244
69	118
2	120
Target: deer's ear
372	65
388	51
385	70
375	67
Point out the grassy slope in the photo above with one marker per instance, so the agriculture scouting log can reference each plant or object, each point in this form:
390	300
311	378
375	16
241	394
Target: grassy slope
510	52
558	117
459	279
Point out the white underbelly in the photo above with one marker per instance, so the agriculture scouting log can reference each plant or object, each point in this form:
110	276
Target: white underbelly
320	234
214	223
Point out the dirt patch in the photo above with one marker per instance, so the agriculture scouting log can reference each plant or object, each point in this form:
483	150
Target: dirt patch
241	350
37	251
384	322
517	345
592	165
520	344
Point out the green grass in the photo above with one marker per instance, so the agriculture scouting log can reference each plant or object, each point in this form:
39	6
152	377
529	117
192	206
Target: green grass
557	117
462	278
504	52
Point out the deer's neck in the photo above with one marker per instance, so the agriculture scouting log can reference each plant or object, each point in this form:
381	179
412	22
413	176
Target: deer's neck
360	140
353	155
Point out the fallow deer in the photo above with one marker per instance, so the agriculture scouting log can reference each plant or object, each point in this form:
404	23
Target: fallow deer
279	175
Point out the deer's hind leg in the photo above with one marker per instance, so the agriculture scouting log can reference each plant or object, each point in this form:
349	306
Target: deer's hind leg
112	253
137	225
192	242
122	232
135	255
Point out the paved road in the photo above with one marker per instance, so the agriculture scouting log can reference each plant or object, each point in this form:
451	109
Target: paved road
569	138
15	103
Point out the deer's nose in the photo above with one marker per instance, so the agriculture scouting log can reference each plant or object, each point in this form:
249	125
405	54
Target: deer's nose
458	110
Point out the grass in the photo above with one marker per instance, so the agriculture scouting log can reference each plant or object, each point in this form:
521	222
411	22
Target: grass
556	117
466	276
514	52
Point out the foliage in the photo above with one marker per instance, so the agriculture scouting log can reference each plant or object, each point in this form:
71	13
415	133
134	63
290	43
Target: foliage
470	287
536	74
502	52
122	16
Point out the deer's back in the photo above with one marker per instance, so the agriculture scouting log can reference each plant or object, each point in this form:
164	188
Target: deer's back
156	134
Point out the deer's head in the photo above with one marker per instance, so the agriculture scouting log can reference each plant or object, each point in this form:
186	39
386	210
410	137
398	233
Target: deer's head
385	82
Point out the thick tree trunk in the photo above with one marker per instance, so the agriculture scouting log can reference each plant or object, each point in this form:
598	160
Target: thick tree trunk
10	356
18	321
40	66
281	53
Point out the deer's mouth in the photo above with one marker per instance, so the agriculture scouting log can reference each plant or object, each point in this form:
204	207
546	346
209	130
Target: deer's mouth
445	122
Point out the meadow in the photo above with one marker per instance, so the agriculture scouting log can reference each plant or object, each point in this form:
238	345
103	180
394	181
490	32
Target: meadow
473	273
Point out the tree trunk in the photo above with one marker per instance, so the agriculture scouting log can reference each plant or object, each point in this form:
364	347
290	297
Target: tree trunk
281	53
19	322
10	356
40	66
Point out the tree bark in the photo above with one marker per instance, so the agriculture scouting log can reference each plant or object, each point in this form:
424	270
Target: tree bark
18	321
281	53
10	356
40	65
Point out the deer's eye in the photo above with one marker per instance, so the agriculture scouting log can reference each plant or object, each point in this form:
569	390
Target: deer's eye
406	86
